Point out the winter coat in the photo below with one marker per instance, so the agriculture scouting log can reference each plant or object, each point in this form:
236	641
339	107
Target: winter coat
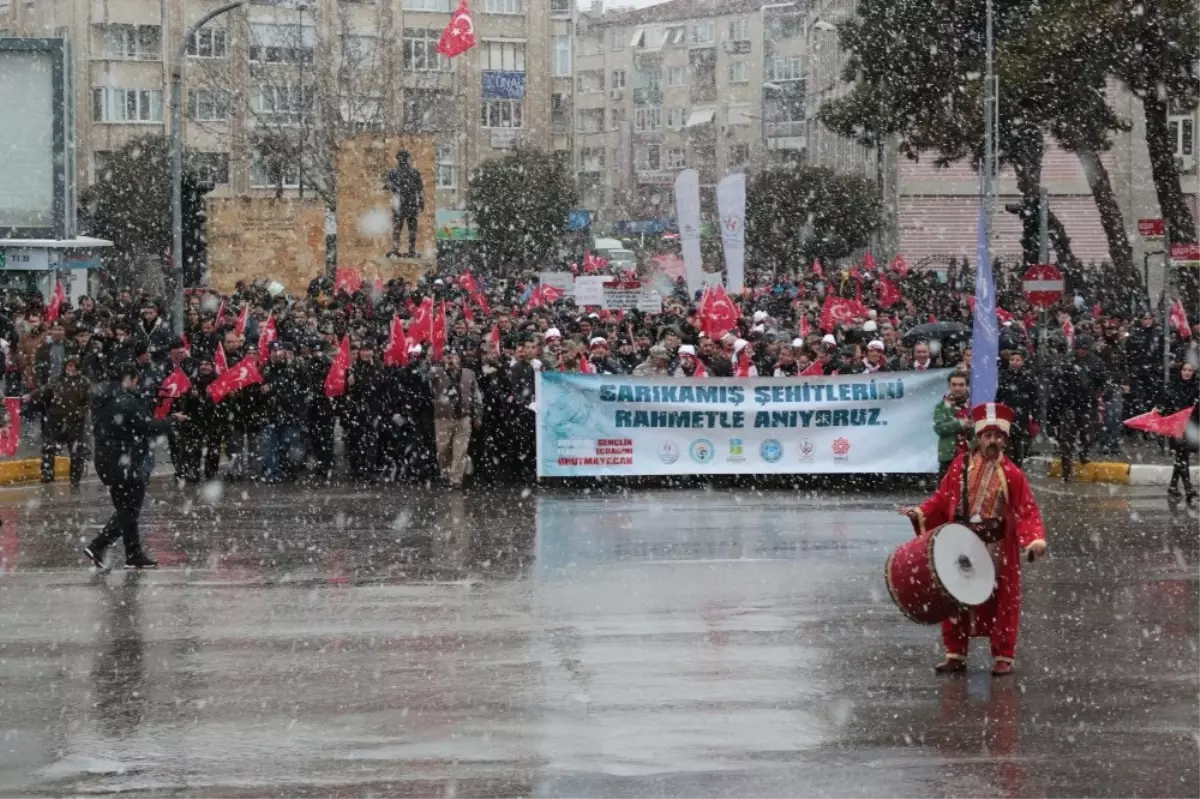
287	397
124	430
455	398
66	400
953	433
1019	391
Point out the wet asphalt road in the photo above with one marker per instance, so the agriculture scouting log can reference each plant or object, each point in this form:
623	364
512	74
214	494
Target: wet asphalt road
647	643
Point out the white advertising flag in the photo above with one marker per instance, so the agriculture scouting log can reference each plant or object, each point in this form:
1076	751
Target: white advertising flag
687	209
731	206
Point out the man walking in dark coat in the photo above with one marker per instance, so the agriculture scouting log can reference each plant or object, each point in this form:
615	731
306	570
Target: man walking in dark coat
65	399
124	430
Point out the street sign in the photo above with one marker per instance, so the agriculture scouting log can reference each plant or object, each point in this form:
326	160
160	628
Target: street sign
1151	228
1043	285
1185	255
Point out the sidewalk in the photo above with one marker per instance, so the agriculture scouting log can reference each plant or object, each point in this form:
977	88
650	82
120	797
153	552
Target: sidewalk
1140	463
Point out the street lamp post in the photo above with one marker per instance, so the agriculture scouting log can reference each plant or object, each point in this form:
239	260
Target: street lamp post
177	164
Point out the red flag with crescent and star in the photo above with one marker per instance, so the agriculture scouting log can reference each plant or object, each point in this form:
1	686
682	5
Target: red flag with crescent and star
838	310
718	315
459	36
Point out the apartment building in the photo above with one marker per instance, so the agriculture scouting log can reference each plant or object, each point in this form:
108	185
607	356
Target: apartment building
715	85
270	86
932	212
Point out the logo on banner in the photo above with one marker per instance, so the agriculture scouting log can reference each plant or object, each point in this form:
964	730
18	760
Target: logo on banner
668	452
731	224
702	450
841	449
771	450
806	449
737	451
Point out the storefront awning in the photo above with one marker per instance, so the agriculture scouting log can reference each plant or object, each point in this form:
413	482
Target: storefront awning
700	116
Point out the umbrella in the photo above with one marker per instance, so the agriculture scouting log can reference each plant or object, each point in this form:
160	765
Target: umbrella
1173	426
939	331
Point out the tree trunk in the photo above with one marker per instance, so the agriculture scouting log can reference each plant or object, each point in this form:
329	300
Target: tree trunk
1181	226
1027	165
1119	248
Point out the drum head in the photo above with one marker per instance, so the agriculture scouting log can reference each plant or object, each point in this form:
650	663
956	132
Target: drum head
963	564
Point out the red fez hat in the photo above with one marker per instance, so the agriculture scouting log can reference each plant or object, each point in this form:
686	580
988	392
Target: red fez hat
993	416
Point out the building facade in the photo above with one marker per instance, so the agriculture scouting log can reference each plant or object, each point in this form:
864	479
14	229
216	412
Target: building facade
706	84
270	87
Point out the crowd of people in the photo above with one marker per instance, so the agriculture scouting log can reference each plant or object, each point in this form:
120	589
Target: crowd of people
462	408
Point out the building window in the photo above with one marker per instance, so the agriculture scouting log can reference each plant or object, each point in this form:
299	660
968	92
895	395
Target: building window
442	6
360	50
210	105
702	32
560	8
739	72
618	79
675	36
283	104
739	154
560	56
676	118
134	42
209	43
503	56
420	51
785	68
127	105
503	7
676	159
502	113
282	44
591	120
428	109
591	80
212	168
618	116
271	172
648	117
739	30
445	166
591	159
1181	129
617	37
648	78
650	158
676	76
100	159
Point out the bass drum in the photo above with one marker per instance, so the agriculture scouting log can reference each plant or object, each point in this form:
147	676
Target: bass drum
934	576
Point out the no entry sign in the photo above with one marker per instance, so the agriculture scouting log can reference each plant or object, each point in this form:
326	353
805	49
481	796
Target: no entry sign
1043	285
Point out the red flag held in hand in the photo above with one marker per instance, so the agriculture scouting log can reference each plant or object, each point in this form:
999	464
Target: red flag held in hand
869	262
805	328
889	295
900	266
494	338
396	352
175	386
459	36
420	329
719	316
1173	426
816	268
56	302
839	311
1177	317
815	369
335	381
439	333
585	366
244	374
239	327
268	335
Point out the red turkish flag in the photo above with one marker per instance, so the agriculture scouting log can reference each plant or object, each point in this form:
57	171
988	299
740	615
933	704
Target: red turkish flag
593	263
805	329
816	268
347	280
459	36
837	311
889	294
900	266
244	374
269	333
585	366
239	326
869	262
719	315
466	282
335	381
220	314
175	386
220	363
421	327
481	301
1177	317
815	369
1173	426
468	314
543	296
439	332
494	338
56	302
396	351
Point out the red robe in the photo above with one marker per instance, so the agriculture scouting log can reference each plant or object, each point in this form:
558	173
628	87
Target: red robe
1000	617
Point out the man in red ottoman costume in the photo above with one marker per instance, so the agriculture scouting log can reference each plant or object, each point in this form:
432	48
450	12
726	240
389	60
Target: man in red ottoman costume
999	507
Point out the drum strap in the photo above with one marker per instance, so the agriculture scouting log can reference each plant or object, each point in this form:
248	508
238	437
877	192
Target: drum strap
964	510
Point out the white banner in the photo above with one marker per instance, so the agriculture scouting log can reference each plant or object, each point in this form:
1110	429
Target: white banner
589	289
731	206
631	295
613	425
565	281
687	210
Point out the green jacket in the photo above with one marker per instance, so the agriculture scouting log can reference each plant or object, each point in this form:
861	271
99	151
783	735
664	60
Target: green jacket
948	428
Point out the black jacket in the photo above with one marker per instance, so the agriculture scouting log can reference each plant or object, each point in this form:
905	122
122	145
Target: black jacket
1019	391
287	397
124	430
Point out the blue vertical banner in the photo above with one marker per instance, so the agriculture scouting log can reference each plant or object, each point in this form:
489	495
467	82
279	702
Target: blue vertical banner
985	334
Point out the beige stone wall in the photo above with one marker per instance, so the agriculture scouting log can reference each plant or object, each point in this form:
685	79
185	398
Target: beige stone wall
364	205
250	237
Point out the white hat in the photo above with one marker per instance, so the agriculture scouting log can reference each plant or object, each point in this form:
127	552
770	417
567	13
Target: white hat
758	329
760	315
740	345
552	333
687	349
869	327
872	314
438	282
728	337
597	341
415	349
829	339
797	342
876	345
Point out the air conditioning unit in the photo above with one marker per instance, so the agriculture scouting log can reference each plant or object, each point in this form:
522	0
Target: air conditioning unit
616	94
1186	164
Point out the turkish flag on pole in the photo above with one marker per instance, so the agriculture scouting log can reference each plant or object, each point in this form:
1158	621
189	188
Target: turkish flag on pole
816	268
466	281
838	310
900	266
1177	317
244	374
56	302
239	326
220	362
1173	426
346	280
585	366
468	314
459	36
869	262
421	327
396	352
175	386
494	338
268	335
889	295
439	332
335	381
719	315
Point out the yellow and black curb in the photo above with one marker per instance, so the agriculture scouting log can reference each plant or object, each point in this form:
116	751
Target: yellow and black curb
29	470
1114	472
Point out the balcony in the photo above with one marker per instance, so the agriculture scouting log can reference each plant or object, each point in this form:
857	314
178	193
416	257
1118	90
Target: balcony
560	8
705	92
647	96
790	135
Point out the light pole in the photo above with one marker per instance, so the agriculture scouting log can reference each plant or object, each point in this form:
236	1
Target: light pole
177	164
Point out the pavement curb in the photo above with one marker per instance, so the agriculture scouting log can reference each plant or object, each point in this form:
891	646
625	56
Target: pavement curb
1115	472
29	470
